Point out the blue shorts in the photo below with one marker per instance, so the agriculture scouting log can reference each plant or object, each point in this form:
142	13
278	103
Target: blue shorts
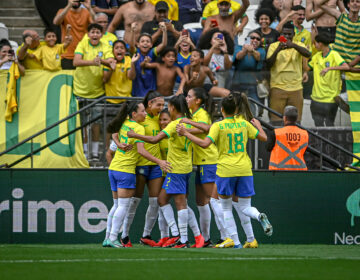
121	180
176	183
149	171
242	186
205	174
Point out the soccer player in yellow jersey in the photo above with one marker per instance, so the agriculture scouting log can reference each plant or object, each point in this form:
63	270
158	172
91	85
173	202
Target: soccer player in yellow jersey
49	55
233	175
147	172
164	120
201	106
122	167
177	180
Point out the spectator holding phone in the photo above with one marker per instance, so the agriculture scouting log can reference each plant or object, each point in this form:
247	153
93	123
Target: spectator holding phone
285	60
218	48
28	47
152	27
248	62
7	57
78	18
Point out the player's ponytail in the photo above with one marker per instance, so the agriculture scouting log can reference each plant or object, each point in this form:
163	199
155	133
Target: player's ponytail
151	95
206	100
180	104
125	111
243	107
228	104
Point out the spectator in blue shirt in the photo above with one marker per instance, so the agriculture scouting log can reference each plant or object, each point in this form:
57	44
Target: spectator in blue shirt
248	62
189	11
108	7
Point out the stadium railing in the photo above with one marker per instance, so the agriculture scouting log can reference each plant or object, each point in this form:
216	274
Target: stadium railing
102	102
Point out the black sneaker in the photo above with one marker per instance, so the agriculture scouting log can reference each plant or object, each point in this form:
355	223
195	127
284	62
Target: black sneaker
207	244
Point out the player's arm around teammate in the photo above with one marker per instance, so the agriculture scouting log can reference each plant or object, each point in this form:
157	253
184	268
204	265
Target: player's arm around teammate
122	168
177	181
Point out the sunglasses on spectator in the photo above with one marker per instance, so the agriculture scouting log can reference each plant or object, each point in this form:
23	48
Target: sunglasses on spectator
255	38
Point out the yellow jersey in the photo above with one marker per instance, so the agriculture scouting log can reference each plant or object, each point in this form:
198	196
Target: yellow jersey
203	156
179	153
211	9
119	84
88	80
286	73
173	13
230	136
50	57
108	38
152	128
28	62
126	161
303	36
327	87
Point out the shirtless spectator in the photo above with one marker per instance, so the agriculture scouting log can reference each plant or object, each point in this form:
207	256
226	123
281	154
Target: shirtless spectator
25	52
196	74
138	11
224	20
152	27
79	18
108	7
324	22
166	73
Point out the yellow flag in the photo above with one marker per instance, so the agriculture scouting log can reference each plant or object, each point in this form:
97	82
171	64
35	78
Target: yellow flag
11	102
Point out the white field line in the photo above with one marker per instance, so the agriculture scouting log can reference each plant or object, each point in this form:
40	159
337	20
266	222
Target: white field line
180	259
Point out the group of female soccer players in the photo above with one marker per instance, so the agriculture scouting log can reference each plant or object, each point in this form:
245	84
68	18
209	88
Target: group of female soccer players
158	148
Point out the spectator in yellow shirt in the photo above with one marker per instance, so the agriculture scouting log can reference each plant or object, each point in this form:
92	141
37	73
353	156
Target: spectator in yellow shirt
28	47
50	54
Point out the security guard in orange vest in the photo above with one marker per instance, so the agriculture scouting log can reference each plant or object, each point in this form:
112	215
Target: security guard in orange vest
288	144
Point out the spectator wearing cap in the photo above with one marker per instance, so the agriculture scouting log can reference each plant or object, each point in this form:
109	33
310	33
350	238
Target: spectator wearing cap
173	8
78	18
225	20
152	27
108	7
189	11
288	144
30	45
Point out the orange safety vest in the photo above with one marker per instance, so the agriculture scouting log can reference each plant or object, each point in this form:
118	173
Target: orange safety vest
290	145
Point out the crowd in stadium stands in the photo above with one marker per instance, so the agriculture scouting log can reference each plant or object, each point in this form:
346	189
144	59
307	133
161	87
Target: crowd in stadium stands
127	48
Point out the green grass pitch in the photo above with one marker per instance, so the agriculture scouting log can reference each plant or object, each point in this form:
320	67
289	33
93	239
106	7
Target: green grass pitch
91	261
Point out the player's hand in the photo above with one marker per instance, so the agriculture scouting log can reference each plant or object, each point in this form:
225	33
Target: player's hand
324	71
180	129
124	147
305	77
185	120
165	166
131	134
97	61
255	123
215	82
135	58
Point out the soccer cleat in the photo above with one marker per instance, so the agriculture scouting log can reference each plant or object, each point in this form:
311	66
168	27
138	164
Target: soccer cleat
126	242
115	244
220	241
239	246
228	243
147	241
182	245
252	244
199	241
171	242
162	241
268	229
207	244
105	243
